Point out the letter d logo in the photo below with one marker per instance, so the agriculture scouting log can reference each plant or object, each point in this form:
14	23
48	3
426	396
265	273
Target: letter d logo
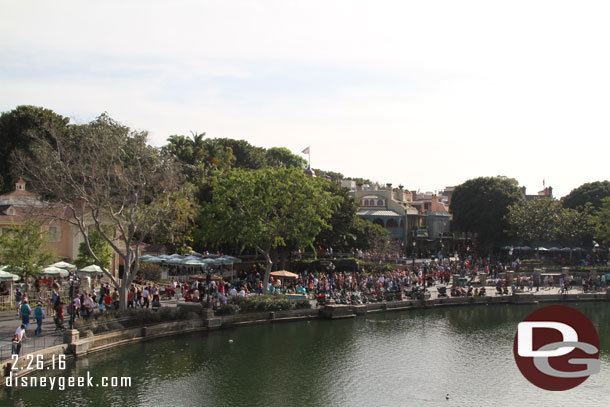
556	348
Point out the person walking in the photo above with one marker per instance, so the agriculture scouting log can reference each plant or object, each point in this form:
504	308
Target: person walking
20	333
25	312
18	299
39	314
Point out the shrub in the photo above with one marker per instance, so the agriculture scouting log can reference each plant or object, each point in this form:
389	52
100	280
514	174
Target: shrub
229	309
150	271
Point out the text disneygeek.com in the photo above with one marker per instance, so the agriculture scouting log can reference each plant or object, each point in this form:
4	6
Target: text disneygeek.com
62	383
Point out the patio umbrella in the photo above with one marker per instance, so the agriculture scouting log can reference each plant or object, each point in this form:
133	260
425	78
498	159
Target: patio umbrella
284	273
63	265
554	249
566	249
55	271
150	259
193	262
94	268
578	249
543	249
5	275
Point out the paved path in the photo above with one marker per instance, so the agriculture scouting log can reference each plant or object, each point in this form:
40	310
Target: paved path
9	322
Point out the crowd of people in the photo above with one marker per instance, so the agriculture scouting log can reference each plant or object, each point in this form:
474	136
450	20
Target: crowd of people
394	282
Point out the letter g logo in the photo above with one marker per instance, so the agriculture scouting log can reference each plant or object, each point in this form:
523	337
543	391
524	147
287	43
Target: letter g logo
553	344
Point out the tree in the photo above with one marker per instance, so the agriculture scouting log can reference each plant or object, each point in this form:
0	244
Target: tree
543	220
592	192
199	157
535	221
601	223
264	209
281	157
575	226
100	248
369	236
104	175
246	155
480	206
341	234
23	249
175	230
14	127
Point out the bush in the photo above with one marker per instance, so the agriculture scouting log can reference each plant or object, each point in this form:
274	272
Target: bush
150	271
264	303
229	309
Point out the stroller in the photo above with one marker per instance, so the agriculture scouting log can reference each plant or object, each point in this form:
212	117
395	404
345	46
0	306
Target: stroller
59	323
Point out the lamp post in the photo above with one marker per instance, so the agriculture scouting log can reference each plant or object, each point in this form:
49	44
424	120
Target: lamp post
73	278
414	245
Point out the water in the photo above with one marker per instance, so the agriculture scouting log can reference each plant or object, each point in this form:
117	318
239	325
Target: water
410	358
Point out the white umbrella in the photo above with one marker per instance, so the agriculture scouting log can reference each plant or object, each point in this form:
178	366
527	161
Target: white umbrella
554	249
94	268
5	275
63	265
55	271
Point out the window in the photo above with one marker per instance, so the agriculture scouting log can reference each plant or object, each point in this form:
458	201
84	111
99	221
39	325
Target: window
54	233
392	223
378	222
380	202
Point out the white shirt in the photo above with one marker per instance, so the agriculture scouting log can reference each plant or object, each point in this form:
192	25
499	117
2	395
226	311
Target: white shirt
20	332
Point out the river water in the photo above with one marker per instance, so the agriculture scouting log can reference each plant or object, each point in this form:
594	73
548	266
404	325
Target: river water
409	358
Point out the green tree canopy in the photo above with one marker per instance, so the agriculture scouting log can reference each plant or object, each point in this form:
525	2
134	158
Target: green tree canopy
99	247
14	128
535	221
342	233
545	220
480	206
601	223
264	209
23	249
283	158
199	157
369	236
592	192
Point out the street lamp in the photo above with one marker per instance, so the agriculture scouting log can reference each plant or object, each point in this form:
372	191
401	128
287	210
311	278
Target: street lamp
414	244
73	278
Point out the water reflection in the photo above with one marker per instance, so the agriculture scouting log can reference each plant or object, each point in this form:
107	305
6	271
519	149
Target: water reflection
397	358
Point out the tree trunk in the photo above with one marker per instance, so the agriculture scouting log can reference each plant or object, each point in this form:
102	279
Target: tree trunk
268	266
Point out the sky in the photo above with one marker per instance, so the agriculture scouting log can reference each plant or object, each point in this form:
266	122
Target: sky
426	94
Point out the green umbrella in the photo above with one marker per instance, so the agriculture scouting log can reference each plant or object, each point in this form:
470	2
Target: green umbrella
150	259
5	275
94	268
63	265
55	271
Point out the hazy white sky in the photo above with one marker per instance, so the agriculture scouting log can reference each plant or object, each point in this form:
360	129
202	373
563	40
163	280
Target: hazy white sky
423	93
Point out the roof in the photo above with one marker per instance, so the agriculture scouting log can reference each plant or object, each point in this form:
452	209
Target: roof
20	198
377	212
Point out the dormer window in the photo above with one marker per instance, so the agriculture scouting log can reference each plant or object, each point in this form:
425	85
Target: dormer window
10	212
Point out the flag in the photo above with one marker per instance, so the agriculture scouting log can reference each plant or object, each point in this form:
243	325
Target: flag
306	151
543	182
